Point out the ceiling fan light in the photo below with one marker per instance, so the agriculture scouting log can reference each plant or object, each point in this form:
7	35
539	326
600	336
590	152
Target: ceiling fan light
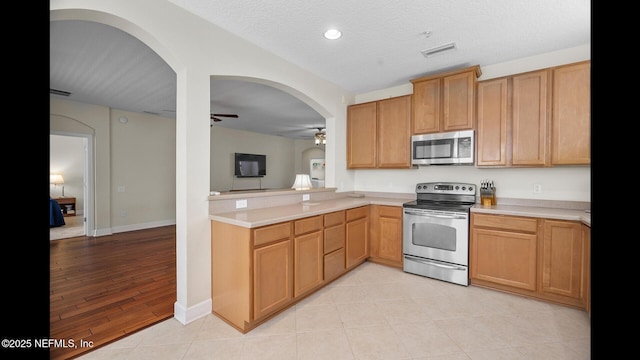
320	138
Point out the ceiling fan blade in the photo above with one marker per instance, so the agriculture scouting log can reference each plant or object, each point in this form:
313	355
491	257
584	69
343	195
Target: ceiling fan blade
226	115
215	119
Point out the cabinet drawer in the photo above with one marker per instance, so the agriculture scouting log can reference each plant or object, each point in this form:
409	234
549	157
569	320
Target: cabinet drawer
514	223
334	264
306	225
334	218
390	211
357	213
271	233
333	238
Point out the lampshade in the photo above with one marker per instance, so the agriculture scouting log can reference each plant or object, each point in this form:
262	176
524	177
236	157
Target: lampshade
303	182
56	179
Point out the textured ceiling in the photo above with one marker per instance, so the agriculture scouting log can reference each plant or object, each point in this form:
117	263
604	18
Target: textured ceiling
380	48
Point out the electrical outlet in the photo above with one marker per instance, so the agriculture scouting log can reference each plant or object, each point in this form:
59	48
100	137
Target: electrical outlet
305	197
537	189
123	213
120	188
241	204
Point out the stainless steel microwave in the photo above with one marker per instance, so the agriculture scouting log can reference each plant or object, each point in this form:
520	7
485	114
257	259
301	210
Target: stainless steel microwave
449	148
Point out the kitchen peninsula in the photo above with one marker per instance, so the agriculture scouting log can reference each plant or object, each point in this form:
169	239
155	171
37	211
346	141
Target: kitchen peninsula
281	246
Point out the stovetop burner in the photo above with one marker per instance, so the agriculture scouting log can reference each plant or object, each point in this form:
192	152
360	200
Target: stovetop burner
446	196
435	205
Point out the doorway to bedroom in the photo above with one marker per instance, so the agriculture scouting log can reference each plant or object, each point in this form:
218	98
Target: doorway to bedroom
69	158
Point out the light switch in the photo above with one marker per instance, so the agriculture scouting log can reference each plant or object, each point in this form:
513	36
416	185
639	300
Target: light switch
305	197
241	204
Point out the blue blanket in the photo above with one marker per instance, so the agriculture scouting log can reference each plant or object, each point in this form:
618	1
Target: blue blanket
55	214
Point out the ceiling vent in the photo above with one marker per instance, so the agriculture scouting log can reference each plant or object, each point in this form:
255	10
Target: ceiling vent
439	49
59	92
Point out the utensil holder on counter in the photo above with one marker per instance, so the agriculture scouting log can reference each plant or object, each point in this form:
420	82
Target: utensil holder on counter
487	193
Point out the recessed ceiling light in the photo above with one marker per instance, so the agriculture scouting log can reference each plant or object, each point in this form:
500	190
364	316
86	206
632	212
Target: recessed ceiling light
332	34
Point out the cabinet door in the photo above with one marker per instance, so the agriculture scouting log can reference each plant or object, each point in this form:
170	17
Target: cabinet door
273	278
562	259
458	101
530	119
426	106
492	123
504	258
586	268
361	135
386	235
394	132
308	262
571	119
356	242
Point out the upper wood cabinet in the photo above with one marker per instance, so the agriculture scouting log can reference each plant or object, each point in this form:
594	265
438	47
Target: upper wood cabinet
444	102
379	134
494	125
362	125
571	119
530	116
513	120
539	118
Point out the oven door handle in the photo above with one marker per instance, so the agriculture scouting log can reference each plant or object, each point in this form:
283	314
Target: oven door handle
440	216
426	262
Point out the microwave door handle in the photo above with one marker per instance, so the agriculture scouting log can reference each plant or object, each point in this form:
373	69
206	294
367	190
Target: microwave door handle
440	216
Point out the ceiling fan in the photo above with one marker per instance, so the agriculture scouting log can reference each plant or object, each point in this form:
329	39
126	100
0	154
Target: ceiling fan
216	117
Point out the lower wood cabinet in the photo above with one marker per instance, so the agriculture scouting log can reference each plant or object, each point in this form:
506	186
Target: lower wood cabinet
258	272
308	255
357	236
386	235
334	244
272	278
540	258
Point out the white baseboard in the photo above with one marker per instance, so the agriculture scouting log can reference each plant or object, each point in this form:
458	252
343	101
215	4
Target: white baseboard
133	227
193	313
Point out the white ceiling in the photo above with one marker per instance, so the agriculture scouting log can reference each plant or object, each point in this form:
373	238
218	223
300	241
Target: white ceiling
380	48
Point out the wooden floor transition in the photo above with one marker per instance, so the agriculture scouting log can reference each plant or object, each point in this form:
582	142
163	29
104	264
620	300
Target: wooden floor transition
105	288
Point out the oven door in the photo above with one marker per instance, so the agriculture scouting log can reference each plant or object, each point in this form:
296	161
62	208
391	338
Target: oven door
435	234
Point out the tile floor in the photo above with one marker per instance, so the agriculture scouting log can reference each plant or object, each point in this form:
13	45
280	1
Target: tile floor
378	312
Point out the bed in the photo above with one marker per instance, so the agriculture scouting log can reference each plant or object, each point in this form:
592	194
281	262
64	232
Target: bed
55	214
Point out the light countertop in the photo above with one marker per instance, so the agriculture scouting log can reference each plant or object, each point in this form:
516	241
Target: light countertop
532	211
252	218
272	215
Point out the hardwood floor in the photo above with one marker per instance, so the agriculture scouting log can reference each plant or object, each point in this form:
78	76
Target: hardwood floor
104	288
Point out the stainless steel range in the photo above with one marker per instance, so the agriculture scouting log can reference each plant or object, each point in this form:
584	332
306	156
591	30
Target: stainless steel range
435	237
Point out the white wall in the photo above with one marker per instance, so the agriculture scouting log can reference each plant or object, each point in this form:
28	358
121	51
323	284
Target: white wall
143	175
280	159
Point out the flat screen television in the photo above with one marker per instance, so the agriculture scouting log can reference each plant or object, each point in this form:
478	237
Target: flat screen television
250	165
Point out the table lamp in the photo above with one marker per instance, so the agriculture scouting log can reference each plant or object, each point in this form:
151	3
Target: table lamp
302	182
57	179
